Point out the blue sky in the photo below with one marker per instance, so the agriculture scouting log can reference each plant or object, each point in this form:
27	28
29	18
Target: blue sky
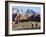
24	8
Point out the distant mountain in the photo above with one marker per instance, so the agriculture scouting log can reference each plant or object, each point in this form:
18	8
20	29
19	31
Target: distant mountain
34	16
30	15
31	11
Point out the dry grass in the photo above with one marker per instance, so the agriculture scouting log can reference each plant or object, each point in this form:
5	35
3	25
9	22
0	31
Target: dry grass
26	25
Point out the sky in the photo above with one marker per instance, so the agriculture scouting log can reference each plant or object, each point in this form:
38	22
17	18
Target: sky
24	8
